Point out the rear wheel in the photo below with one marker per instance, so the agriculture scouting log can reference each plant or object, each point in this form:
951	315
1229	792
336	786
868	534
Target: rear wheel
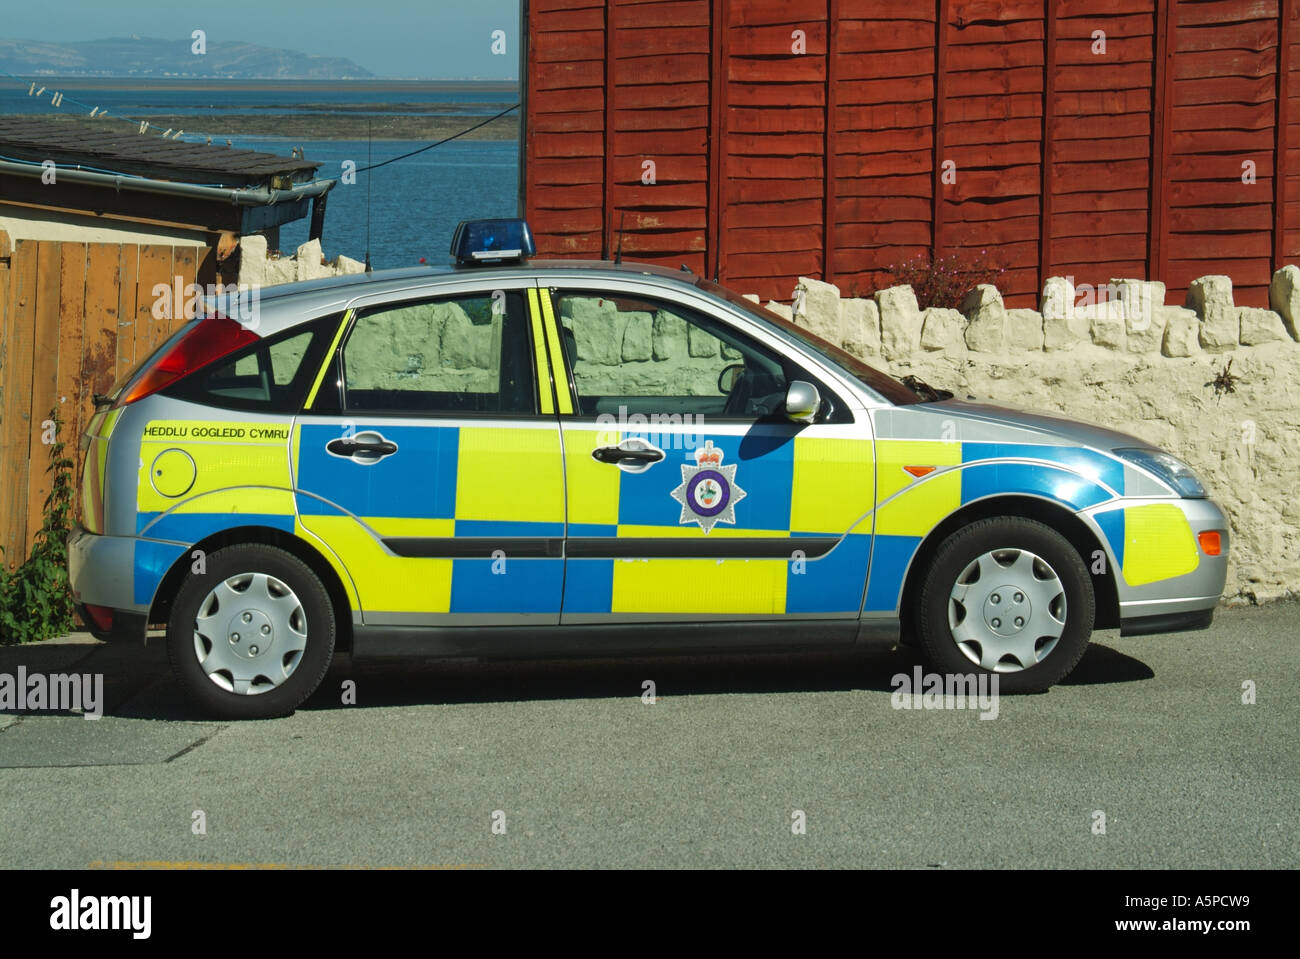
252	636
1009	596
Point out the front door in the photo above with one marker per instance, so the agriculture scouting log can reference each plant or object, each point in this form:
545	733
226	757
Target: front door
690	494
428	463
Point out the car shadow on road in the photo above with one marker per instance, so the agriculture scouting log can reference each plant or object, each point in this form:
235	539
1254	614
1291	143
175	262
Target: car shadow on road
1102	665
137	681
432	682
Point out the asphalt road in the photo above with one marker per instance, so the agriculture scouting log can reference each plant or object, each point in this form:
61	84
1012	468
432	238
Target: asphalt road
1150	731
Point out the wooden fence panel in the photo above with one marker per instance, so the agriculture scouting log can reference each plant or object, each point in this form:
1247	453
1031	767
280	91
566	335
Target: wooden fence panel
127	328
564	181
883	161
1093	138
155	284
1221	118
45	378
16	417
775	77
657	159
73	399
73	318
1099	125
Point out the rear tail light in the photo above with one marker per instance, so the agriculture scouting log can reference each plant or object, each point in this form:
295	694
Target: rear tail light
211	339
101	616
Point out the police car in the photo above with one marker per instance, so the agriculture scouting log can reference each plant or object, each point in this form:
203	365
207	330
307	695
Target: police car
513	457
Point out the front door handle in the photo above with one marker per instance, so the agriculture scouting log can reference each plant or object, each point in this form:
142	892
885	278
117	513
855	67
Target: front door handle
368	447
618	454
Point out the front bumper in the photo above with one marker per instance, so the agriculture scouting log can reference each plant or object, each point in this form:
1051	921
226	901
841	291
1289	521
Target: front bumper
1181	602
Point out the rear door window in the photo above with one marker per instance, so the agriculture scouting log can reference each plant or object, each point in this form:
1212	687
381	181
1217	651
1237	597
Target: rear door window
454	355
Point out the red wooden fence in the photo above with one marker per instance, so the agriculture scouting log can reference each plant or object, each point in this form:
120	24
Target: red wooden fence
762	140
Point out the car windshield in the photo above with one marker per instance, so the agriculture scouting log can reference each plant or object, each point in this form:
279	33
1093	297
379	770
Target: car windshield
882	383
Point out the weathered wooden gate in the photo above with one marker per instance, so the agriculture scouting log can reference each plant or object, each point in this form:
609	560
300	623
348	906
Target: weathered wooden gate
73	318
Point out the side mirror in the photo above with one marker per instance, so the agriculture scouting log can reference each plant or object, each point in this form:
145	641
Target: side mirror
802	401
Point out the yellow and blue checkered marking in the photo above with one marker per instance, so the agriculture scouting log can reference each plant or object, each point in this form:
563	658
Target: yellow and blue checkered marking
796	488
493	484
909	508
482	484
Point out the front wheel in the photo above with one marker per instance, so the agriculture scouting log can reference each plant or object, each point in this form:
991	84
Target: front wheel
252	636
1009	596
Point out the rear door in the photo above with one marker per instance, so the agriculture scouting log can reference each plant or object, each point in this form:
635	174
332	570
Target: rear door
691	496
428	460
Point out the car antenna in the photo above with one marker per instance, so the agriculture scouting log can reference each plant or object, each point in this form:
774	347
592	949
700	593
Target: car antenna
370	176
618	254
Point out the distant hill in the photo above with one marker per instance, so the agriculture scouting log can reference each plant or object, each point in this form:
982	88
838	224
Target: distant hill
151	57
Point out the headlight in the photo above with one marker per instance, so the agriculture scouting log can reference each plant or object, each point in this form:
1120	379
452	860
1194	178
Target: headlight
1169	469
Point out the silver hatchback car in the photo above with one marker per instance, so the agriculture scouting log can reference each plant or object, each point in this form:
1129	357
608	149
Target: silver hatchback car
522	458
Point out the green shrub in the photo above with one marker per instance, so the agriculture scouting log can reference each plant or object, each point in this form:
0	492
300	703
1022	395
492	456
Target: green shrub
944	282
35	599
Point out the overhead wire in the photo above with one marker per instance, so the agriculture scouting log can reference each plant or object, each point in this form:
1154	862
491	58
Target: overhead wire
430	146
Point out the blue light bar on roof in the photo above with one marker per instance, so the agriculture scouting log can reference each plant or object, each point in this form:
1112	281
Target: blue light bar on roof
477	242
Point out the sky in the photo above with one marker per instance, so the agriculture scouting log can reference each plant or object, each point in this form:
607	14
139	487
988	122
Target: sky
433	39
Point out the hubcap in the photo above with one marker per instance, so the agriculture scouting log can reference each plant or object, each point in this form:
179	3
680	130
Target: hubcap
250	633
1007	610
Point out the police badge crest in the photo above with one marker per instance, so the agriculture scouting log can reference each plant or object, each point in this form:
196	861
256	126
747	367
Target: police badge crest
708	492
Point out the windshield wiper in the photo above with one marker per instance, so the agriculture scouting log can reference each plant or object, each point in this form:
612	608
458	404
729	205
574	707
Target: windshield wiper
924	390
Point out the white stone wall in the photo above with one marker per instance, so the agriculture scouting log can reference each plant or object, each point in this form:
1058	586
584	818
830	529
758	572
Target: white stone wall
638	353
428	347
257	268
1131	363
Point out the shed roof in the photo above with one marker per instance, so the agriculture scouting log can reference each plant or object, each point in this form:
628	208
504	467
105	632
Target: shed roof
116	147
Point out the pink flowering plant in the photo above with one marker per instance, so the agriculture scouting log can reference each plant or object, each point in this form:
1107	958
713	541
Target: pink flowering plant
944	281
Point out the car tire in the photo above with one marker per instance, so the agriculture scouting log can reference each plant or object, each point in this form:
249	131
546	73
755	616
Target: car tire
251	636
1010	596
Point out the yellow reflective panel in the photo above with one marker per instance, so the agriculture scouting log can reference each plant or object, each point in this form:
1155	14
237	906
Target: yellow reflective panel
225	455
509	474
329	358
245	499
755	586
385	582
95	471
563	395
411	526
593	487
345	577
923	502
539	350
1158	544
834	484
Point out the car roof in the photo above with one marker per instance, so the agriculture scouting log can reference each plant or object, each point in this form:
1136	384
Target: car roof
377	280
315	296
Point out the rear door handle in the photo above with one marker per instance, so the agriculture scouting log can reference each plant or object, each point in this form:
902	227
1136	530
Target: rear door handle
368	447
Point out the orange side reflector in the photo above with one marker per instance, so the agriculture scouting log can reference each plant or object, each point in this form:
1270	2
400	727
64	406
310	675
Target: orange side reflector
1210	543
919	471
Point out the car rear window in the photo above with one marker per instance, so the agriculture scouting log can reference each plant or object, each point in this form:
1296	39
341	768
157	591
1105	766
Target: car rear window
269	376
